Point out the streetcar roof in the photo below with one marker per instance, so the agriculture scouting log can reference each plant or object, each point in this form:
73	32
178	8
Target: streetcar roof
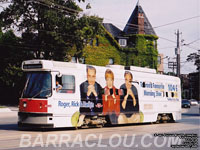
50	65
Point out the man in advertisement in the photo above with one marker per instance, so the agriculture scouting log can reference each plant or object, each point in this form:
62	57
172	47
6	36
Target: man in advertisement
91	97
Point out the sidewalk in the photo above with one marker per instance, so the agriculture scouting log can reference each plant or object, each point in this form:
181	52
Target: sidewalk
13	108
5	110
8	109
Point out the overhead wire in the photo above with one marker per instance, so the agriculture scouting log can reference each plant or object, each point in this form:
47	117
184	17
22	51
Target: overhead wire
50	6
72	11
129	24
67	9
177	21
134	26
193	41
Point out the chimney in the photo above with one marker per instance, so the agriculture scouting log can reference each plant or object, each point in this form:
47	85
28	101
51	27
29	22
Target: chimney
140	23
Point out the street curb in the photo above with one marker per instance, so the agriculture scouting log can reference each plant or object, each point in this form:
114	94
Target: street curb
5	110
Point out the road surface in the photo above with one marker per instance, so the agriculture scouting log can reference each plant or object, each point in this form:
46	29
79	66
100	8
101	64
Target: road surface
145	136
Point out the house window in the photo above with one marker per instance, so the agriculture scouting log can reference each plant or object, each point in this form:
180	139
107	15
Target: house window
82	60
111	61
74	60
122	42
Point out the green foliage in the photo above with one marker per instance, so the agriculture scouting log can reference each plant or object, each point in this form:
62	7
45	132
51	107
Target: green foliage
195	57
111	39
142	51
100	55
88	27
11	57
11	54
53	29
50	28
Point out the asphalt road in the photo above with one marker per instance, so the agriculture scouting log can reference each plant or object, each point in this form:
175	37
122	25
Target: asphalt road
145	136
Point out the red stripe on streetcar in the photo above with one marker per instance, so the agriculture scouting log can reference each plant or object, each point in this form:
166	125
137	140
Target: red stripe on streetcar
26	105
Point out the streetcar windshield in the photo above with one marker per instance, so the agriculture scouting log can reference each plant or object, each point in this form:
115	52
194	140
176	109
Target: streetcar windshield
38	85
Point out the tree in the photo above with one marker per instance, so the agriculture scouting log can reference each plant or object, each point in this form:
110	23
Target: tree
50	28
195	57
10	59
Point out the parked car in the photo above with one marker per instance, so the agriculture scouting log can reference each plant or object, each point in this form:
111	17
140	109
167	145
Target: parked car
185	103
193	102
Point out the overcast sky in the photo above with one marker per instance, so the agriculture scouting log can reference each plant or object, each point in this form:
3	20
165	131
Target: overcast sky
159	12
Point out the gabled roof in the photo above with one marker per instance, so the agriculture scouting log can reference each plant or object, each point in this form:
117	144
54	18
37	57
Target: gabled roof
114	31
132	24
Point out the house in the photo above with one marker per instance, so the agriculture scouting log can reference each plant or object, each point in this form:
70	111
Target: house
138	39
191	85
185	86
135	45
194	85
103	50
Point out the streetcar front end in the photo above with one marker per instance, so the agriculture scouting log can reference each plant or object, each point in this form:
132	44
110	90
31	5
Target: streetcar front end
33	104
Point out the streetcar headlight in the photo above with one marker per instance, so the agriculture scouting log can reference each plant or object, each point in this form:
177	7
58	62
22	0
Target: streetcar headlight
40	105
24	104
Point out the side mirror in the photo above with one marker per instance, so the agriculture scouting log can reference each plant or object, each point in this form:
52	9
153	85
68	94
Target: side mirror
59	75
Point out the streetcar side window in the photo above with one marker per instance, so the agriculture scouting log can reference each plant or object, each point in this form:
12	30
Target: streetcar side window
67	84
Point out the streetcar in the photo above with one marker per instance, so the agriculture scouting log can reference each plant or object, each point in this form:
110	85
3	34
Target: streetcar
63	94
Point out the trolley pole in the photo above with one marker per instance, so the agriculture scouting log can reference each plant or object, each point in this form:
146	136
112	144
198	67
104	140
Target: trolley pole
178	54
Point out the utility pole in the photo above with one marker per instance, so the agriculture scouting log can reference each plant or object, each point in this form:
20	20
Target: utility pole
178	54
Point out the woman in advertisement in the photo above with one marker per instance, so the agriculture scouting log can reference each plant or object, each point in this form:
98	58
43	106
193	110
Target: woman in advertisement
111	97
129	104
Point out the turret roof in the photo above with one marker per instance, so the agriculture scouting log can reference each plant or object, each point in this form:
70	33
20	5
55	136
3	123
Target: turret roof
132	24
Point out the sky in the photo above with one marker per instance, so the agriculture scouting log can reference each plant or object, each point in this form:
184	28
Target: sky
159	13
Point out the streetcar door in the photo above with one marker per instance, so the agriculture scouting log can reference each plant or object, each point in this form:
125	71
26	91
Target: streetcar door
66	99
